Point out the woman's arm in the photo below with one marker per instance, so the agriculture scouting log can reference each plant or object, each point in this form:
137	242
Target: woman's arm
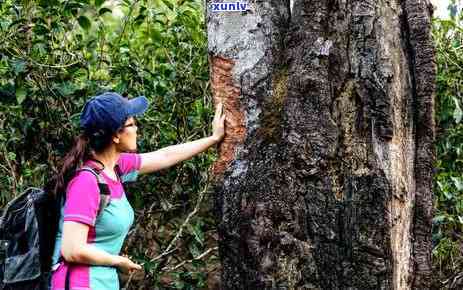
168	156
75	249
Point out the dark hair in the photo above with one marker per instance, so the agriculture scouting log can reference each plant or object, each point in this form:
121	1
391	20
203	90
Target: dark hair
83	149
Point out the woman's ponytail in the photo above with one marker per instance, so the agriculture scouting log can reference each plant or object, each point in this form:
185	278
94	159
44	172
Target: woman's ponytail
84	148
72	161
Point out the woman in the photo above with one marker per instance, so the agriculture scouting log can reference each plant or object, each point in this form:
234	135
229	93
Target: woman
88	244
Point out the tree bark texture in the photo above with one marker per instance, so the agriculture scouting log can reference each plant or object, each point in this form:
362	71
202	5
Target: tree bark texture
324	179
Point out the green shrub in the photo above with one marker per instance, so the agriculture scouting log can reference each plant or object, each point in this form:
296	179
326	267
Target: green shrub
55	54
448	192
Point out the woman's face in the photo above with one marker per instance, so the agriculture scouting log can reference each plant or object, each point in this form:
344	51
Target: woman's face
127	136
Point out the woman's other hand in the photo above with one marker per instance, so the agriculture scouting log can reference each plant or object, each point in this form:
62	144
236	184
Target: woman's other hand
218	124
125	264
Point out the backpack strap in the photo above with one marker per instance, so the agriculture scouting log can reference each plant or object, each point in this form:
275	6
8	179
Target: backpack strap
105	198
118	171
67	279
105	194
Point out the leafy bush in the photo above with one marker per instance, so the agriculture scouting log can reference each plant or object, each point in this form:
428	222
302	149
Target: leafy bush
448	199
55	54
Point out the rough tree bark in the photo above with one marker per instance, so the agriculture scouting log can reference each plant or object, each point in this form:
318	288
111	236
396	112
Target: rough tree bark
325	175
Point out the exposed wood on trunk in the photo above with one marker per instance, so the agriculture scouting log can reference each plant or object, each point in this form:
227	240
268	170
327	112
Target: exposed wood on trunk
225	91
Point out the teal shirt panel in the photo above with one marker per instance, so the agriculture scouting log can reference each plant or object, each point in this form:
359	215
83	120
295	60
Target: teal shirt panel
111	229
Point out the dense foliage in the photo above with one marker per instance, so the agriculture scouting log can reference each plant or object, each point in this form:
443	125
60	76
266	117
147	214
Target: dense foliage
55	54
448	198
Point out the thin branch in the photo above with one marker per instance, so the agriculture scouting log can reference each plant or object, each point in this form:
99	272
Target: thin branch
165	253
182	227
166	269
134	232
169	249
11	169
126	20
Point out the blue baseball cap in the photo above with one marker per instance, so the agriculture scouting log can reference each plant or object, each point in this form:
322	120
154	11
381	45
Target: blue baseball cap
109	111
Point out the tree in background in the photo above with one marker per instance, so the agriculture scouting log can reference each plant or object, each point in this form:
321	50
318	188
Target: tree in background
324	179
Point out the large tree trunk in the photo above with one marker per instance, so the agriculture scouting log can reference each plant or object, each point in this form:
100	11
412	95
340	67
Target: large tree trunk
325	175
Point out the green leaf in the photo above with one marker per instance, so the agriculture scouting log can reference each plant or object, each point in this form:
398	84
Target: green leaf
441	186
438	219
84	22
139	19
197	233
448	195
11	156
72	8
66	88
18	66
169	4
458	182
41	29
21	94
104	10
123	50
458	113
194	250
156	35
98	3
179	284
75	120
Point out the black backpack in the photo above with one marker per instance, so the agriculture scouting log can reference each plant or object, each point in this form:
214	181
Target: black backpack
28	229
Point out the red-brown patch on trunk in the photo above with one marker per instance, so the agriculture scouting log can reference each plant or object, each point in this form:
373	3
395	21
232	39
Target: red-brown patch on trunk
224	90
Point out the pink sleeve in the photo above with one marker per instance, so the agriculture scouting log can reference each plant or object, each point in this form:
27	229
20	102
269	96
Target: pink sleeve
129	164
82	199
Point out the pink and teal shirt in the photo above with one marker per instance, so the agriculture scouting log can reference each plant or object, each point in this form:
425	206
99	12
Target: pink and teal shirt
106	232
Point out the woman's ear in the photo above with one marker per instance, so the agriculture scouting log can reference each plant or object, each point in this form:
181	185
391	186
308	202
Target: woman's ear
116	139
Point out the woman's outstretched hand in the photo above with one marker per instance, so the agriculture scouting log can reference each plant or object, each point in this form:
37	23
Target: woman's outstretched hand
218	124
